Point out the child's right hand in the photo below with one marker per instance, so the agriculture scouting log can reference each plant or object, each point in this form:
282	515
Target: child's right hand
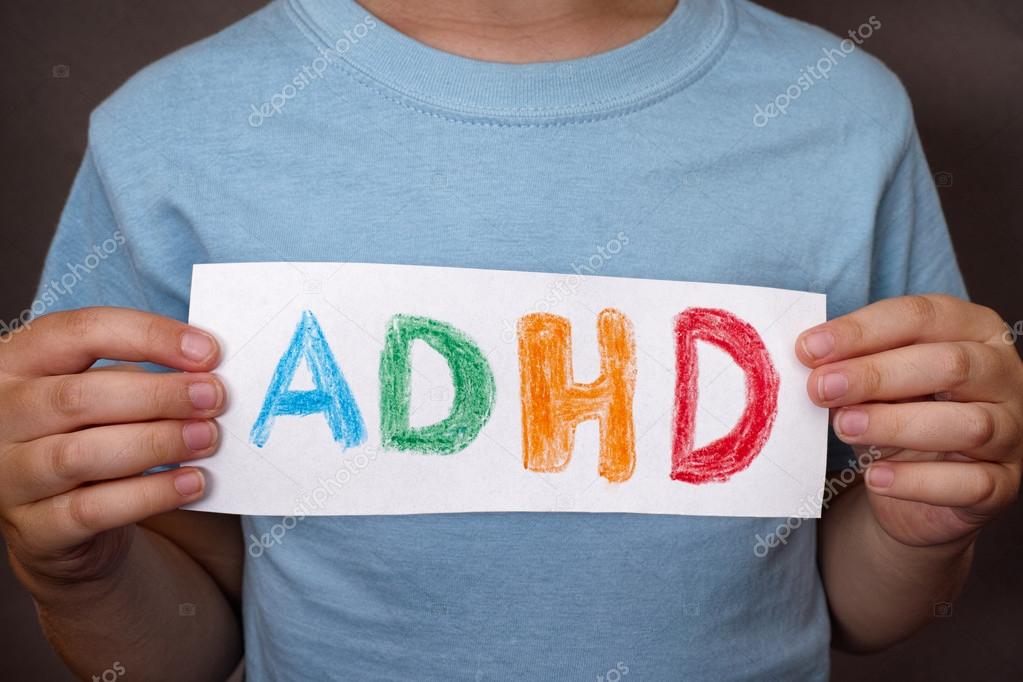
72	440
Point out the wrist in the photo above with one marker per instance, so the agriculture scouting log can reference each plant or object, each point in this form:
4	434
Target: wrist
912	560
60	590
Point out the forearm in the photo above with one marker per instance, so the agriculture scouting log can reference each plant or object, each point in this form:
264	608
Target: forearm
159	615
879	590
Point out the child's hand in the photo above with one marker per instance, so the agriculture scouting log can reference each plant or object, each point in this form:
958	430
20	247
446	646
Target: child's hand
73	441
930	381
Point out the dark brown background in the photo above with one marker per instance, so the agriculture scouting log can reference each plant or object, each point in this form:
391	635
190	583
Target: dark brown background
962	61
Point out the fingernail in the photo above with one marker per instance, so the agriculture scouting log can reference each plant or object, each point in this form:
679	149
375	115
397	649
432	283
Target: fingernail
880	476
852	422
819	344
832	386
204	396
188	483
197	346
198	435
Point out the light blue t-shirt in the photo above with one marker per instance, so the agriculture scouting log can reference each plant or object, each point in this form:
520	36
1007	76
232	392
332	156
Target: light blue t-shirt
729	145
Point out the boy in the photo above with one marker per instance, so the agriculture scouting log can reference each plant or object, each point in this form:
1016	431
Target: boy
724	142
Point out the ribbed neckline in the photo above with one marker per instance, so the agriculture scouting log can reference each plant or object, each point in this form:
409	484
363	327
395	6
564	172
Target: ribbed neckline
618	81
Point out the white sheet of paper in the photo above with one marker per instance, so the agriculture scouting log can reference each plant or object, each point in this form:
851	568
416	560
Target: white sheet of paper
254	308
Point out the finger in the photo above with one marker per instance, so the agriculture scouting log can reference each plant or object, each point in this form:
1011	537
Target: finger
69	342
51	405
897	322
56	464
980	487
66	520
961	371
981	430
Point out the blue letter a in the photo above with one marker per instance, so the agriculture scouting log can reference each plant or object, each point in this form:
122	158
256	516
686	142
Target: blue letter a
332	396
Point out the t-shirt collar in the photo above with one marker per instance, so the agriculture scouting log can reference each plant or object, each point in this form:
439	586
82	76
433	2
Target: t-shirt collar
629	77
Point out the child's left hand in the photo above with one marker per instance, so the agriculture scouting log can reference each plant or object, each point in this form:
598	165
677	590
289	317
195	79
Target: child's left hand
933	382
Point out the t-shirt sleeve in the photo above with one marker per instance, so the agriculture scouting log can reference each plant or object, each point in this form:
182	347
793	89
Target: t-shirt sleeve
94	257
913	253
89	262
